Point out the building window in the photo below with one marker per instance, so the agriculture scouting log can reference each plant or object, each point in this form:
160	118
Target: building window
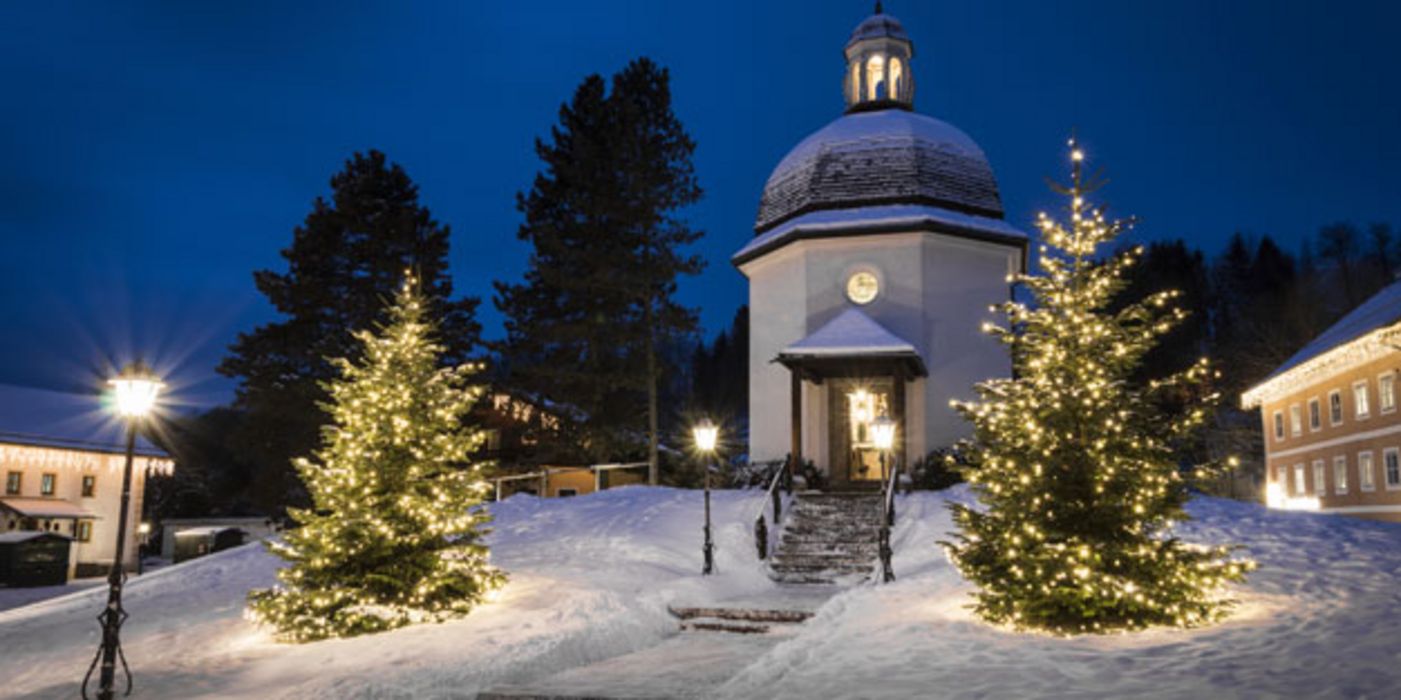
1279	425
875	78
1386	392
89	485
83	531
1365	479
1340	474
1296	421
565	493
46	484
1391	461
1320	479
897	77
1360	407
1299	487
1315	415
13	481
1335	407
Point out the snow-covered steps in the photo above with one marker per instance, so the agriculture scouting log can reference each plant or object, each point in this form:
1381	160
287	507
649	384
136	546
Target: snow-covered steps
828	538
739	620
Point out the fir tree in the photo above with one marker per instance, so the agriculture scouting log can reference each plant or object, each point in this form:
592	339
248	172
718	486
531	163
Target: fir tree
394	534
345	259
590	326
1075	463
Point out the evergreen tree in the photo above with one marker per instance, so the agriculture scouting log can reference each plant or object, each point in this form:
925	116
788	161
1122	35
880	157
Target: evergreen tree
394	534
1074	463
344	261
590	325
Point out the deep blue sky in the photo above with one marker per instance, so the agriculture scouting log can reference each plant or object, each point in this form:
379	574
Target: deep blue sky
152	155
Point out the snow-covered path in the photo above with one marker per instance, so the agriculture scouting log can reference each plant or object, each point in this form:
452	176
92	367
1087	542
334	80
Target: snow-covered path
592	577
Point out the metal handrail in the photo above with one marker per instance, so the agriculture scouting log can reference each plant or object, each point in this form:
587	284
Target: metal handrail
887	521
782	475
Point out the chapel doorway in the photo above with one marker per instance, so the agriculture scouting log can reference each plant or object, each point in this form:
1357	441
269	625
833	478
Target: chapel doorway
854	404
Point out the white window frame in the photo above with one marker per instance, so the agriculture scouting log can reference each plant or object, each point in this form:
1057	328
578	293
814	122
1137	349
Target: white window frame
1366	471
1386	379
1391	454
1335	417
1300	487
48	484
1340	480
1320	478
1361	409
1279	426
1315	415
1296	420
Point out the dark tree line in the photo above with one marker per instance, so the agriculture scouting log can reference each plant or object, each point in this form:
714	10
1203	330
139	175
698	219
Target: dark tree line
1254	305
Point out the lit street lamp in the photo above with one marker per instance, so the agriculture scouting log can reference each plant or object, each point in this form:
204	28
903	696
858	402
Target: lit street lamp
705	433
135	390
883	434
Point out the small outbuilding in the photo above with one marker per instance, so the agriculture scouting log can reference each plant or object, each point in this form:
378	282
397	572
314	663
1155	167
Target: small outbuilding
34	558
199	541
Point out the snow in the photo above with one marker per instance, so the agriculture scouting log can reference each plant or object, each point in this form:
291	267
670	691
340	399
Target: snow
591	578
871	129
849	332
889	217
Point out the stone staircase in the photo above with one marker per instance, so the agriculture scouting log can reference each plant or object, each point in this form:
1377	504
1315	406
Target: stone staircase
829	537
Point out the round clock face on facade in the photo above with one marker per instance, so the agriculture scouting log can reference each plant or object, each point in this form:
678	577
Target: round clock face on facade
862	287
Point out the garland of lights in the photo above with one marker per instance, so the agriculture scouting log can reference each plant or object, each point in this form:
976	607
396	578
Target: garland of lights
1074	464
394	535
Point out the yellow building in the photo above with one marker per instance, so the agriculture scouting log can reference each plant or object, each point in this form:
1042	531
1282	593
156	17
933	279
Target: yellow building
62	457
557	482
1332	429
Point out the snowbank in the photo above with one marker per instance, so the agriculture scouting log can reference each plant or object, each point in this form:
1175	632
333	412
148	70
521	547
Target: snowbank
591	577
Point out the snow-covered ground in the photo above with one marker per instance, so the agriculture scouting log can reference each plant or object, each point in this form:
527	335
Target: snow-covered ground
591	577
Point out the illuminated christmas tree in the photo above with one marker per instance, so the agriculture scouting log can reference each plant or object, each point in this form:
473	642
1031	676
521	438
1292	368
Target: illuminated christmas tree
395	532
1074	464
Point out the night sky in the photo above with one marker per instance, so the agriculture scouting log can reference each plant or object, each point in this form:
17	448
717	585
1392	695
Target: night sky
152	155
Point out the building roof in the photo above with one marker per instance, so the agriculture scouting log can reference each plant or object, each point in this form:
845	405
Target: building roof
45	418
1378	313
888	156
46	508
851	332
885	218
877	26
27	535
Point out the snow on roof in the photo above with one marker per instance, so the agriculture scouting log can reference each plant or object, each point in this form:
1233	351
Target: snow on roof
1383	309
46	508
1364	334
26	535
884	156
908	217
850	333
45	418
876	26
204	531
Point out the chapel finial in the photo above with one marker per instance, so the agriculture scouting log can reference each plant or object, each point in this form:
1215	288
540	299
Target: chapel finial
879	10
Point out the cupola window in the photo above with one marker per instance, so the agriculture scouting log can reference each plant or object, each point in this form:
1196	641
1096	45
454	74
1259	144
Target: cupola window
875	78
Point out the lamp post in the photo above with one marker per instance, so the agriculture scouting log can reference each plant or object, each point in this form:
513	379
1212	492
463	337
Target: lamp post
143	543
135	390
706	433
883	434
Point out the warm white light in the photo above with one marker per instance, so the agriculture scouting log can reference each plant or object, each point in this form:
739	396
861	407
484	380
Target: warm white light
883	433
144	528
1277	497
136	390
706	434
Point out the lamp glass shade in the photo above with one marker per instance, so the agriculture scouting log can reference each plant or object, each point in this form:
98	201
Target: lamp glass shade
136	392
706	433
883	432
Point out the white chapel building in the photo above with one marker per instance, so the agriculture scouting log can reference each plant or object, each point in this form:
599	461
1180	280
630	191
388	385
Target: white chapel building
879	246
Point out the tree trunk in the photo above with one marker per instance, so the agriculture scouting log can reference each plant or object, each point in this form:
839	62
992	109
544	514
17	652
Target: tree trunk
653	472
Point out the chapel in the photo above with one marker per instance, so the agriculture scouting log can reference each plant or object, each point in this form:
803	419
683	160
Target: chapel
879	246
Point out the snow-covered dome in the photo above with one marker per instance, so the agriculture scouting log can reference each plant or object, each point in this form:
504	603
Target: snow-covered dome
889	156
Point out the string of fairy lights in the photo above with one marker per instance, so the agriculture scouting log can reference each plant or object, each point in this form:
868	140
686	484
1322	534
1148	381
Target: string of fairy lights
1074	464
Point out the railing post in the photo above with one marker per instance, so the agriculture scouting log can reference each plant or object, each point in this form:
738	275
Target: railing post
888	573
761	537
777	507
709	544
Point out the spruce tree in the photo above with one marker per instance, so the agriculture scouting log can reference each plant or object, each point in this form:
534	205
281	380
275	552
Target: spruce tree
394	533
1074	464
590	326
345	259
